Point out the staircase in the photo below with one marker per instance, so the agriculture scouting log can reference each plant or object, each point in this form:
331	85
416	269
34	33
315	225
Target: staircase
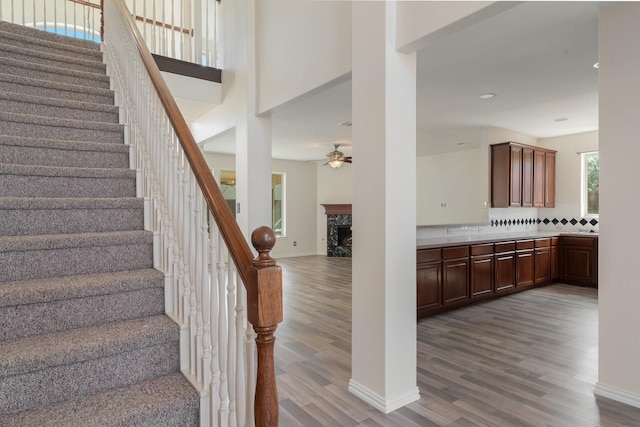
84	340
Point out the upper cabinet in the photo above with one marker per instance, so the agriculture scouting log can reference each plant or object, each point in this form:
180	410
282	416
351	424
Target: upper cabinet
522	175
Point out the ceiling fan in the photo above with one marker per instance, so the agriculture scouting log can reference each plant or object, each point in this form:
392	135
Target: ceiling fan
336	158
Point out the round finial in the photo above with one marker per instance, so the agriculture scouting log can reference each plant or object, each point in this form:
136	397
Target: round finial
263	239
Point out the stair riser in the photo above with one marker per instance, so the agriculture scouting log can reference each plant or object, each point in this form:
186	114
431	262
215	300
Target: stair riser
24	155
89	81
57	93
31	130
10	106
27	55
53	385
69	53
44	186
39	264
22	222
34	319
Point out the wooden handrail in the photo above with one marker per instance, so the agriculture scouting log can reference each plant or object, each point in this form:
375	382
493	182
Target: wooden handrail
261	276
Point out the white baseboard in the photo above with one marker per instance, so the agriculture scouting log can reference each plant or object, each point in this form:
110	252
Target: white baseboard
619	395
379	402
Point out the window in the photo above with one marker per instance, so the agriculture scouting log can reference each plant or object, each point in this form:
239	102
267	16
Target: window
590	184
228	189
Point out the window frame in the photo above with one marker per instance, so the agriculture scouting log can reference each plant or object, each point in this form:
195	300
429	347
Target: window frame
584	179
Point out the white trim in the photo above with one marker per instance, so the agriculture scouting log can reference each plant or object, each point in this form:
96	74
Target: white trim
619	395
379	402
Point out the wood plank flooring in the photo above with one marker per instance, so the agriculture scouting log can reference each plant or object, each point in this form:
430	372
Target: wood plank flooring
529	359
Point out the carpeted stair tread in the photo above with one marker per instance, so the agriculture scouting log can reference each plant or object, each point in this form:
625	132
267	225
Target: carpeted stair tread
66	241
166	401
62	144
55	74
51	58
60	123
38	43
80	286
78	345
41	87
79	108
59	171
69	203
21	216
43	35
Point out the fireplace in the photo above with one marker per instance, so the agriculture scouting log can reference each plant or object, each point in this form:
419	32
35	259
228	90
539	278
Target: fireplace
338	230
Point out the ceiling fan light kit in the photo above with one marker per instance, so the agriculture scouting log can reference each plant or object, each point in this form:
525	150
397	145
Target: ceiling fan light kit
336	158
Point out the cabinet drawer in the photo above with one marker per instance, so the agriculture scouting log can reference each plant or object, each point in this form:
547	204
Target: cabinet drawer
455	252
524	244
542	243
578	241
483	249
429	255
505	247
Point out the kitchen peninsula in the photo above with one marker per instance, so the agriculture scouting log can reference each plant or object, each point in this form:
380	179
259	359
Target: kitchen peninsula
460	270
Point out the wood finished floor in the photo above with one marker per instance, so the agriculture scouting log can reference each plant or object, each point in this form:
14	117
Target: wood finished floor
525	360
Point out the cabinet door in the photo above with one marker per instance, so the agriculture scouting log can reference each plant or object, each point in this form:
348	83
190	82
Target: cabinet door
515	187
539	172
524	268
455	280
543	265
481	276
505	271
577	264
527	177
550	180
555	262
429	286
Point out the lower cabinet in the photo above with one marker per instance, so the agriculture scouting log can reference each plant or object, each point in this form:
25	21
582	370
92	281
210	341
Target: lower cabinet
525	264
579	260
542	260
429	280
451	277
481	274
455	275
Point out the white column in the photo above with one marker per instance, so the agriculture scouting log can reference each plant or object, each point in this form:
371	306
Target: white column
253	133
384	211
618	293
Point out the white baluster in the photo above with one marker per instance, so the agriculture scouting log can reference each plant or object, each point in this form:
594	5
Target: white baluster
223	333
231	348
214	390
241	407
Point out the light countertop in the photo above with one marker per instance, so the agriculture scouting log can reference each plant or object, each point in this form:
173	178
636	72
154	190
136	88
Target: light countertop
438	242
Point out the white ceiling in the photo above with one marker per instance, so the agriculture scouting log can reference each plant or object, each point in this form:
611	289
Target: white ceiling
537	57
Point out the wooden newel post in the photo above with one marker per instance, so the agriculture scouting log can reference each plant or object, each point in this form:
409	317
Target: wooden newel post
264	301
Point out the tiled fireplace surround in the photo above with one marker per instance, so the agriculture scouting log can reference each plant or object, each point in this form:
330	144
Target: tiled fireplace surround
338	229
509	220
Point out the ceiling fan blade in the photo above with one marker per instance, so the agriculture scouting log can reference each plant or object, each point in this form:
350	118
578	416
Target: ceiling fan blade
347	159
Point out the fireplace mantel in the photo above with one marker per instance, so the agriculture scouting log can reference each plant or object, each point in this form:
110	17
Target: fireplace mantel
344	209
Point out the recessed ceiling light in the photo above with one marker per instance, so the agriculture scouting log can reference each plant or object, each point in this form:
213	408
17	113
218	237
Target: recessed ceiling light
487	95
596	65
347	124
561	119
459	143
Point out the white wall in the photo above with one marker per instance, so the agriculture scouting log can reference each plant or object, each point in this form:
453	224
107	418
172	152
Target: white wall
317	34
456	196
300	203
619	293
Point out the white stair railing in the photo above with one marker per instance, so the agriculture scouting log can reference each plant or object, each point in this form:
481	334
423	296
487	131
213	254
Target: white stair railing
204	293
179	29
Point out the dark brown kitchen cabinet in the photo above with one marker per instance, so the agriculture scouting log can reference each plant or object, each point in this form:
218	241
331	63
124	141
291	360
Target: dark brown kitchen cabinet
542	260
429	280
522	175
525	263
505	266
579	260
481	276
455	275
555	259
550	179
